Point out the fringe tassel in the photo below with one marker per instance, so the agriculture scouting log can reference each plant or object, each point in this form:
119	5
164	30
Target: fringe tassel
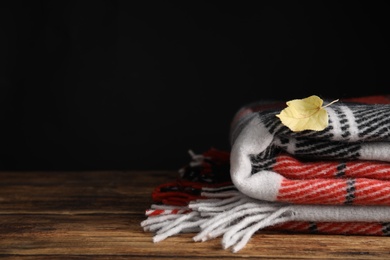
235	218
165	225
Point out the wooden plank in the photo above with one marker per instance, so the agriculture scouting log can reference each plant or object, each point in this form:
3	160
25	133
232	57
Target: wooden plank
78	192
101	234
97	215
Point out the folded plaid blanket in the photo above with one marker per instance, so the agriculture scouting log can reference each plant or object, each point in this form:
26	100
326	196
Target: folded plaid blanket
335	181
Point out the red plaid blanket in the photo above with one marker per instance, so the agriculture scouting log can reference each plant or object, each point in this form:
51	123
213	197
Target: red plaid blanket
334	181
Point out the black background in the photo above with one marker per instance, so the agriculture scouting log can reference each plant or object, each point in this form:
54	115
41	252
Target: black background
94	85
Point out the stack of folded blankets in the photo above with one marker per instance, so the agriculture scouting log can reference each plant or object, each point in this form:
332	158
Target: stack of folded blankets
334	181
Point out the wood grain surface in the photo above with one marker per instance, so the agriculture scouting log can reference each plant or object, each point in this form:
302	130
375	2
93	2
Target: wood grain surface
97	215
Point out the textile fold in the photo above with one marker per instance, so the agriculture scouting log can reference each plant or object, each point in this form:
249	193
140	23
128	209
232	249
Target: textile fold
335	181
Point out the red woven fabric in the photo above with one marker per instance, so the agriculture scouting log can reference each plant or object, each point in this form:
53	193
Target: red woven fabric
303	182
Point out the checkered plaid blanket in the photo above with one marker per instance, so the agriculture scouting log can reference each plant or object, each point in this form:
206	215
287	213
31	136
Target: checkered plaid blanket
335	181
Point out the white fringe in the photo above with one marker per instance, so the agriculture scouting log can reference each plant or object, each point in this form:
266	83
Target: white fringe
236	219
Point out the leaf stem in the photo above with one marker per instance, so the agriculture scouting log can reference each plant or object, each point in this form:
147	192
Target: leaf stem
334	101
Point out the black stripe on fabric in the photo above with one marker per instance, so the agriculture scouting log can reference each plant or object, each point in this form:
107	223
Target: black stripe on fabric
313	227
327	150
266	164
341	170
350	196
373	122
344	123
386	229
283	140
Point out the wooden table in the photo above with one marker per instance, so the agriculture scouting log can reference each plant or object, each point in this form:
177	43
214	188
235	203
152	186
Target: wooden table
97	215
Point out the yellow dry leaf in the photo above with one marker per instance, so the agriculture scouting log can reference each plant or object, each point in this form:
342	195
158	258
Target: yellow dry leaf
305	114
